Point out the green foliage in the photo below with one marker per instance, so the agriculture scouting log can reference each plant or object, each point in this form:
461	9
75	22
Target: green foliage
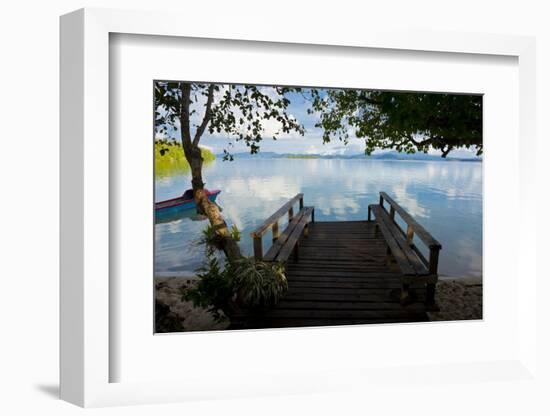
235	233
211	240
258	284
406	122
170	158
214	292
237	111
245	283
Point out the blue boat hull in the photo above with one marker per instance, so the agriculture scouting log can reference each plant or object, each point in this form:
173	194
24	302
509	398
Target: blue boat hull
175	212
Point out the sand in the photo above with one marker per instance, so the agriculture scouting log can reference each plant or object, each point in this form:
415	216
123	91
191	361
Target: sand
458	299
178	315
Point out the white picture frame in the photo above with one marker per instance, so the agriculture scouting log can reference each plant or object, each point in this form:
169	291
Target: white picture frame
85	266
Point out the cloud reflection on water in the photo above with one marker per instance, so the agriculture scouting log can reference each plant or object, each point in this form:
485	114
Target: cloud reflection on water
444	196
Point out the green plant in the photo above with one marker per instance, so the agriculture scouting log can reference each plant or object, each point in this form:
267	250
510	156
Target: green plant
213	241
235	233
214	291
242	283
245	283
258	284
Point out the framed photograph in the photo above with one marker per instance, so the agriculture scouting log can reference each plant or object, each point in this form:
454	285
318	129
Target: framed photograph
330	210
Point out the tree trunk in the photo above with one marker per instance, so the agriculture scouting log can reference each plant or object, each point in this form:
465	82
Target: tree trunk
193	155
205	207
194	159
229	245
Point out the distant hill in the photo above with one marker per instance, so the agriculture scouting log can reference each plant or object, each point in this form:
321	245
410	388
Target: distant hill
391	155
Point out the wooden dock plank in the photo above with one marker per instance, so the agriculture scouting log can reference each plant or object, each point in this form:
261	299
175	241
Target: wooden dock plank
342	278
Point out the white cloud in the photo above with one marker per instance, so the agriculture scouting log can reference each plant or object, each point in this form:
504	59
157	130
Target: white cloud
409	201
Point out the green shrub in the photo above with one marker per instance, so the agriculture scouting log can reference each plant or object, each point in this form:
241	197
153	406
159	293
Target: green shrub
212	240
235	233
258	284
243	284
214	290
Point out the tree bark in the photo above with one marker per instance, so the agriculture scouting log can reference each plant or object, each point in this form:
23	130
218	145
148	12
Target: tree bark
208	208
194	157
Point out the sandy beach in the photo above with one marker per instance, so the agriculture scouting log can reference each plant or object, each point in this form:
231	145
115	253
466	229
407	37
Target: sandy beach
176	315
459	298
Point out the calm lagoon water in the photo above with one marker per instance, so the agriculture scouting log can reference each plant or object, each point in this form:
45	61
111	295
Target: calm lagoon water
445	197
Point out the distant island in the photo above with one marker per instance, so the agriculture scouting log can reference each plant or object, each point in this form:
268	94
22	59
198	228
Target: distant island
391	155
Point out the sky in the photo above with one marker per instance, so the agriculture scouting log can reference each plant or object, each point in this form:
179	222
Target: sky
293	143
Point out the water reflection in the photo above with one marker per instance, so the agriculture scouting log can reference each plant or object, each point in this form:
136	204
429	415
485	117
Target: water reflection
444	196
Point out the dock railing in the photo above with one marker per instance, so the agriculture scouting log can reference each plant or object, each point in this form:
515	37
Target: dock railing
413	227
273	223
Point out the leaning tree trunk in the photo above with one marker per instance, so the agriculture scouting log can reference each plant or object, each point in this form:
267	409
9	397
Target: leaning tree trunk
193	155
208	208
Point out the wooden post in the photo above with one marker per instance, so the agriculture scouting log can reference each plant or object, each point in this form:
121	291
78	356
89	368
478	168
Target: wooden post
369	216
275	231
313	215
430	295
392	213
405	296
430	287
434	259
290	213
301	203
258	250
410	234
381	201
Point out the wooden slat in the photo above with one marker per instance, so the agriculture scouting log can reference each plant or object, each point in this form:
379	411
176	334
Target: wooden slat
344	314
335	291
371	295
292	240
399	237
277	245
422	233
262	229
341	279
351	285
397	252
379	304
385	274
294	323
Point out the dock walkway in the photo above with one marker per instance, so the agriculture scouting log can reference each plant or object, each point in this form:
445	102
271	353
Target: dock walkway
344	275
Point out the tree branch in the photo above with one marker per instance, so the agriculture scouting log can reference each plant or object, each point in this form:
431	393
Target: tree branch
422	142
184	114
446	151
207	116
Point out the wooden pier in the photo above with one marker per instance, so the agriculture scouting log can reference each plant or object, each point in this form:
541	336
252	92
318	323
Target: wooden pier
349	272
